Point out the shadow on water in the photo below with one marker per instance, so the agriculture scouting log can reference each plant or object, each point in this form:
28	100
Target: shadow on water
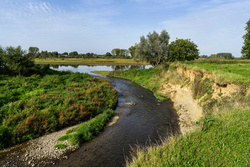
142	124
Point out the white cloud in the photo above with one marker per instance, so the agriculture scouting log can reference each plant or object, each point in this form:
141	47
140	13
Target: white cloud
217	29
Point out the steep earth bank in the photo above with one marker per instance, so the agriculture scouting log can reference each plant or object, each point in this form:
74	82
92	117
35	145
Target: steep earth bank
188	106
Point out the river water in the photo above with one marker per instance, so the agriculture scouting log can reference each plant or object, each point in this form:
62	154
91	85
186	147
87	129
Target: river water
142	124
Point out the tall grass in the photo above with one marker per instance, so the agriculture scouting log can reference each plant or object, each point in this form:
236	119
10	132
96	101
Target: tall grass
88	130
224	141
223	71
36	105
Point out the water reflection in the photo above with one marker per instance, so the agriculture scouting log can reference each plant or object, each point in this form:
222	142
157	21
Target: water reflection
89	68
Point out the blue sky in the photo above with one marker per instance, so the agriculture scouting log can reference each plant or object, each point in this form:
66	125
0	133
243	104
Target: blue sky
98	26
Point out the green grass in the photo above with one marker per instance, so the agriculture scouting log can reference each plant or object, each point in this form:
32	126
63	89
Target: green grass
224	141
62	138
159	97
61	146
105	73
37	105
234	71
143	77
88	61
88	130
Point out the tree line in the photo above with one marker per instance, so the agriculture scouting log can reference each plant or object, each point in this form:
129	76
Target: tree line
155	49
115	53
219	55
34	51
15	61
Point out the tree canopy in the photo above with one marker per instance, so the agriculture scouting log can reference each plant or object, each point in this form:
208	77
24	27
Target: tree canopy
222	55
245	51
117	52
17	61
1	56
132	50
154	48
33	50
73	54
182	49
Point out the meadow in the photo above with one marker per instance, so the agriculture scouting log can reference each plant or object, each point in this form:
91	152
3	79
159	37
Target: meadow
37	105
89	61
224	138
227	71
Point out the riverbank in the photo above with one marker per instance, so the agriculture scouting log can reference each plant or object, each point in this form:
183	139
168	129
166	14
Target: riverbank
215	111
39	105
41	151
88	61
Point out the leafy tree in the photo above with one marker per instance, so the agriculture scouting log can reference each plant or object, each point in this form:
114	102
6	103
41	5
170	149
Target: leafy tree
89	55
245	51
116	52
73	54
203	56
182	49
225	55
132	50
108	54
44	54
154	48
213	56
33	50
65	53
55	54
1	57
123	52
222	55
18	61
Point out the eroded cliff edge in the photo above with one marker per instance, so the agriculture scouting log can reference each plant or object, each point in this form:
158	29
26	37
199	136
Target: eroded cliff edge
194	91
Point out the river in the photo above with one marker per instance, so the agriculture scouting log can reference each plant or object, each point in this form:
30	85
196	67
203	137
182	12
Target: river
142	124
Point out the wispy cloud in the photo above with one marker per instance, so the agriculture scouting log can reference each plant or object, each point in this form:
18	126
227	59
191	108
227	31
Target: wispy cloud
101	25
214	28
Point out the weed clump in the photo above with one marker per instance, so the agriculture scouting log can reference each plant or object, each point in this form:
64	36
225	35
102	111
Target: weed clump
61	146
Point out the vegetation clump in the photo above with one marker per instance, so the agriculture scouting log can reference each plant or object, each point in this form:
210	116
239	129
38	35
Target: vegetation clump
246	47
61	146
37	105
182	49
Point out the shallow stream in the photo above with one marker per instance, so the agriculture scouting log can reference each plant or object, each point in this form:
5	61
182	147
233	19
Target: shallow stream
143	123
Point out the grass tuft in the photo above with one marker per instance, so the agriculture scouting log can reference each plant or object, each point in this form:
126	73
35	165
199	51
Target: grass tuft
61	146
88	130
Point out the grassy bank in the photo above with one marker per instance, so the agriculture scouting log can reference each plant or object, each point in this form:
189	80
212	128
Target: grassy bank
88	130
223	137
224	141
37	105
89	61
227	71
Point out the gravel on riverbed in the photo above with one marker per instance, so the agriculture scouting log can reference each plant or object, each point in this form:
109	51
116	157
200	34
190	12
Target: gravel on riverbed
40	151
37	152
